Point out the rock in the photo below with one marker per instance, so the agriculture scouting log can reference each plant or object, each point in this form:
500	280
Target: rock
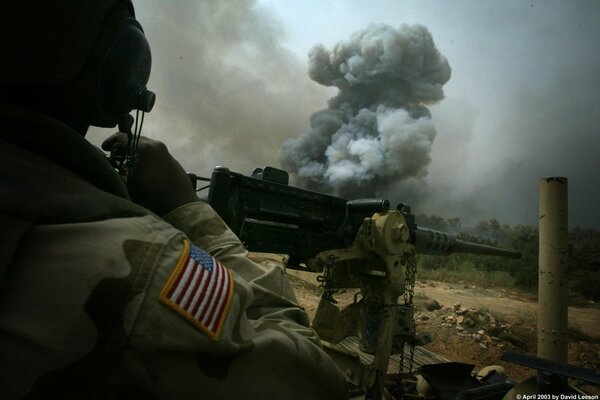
456	307
481	332
422	339
461	311
460	319
460	327
476	336
483	346
494	330
469	322
423	317
432	305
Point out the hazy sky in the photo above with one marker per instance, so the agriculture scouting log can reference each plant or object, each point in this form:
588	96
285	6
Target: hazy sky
522	102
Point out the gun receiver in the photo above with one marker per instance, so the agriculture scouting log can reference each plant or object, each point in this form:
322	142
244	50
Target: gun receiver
270	216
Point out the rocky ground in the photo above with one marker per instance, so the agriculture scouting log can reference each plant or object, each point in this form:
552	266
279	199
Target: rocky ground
477	325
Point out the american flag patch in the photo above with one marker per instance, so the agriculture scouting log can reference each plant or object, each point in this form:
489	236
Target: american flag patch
200	289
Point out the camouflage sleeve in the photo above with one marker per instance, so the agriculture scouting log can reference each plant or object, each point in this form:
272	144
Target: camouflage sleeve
274	299
263	348
131	307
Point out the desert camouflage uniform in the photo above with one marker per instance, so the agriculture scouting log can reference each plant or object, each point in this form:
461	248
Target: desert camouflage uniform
80	315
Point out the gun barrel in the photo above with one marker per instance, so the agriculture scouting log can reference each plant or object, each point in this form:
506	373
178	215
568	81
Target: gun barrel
429	241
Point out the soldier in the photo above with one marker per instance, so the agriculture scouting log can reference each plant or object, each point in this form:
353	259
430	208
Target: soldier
102	297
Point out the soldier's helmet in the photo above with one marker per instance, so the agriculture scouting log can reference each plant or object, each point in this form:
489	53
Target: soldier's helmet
91	55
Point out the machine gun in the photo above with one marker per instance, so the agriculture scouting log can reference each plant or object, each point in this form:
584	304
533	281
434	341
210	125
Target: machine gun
362	244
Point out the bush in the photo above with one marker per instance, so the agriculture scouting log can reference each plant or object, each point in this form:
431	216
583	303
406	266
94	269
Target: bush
465	272
586	283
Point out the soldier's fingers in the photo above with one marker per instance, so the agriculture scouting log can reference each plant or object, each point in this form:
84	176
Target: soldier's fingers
117	137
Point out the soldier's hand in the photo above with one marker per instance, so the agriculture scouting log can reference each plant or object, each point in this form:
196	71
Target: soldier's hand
157	182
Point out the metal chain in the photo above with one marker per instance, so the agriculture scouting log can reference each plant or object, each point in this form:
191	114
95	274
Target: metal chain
409	288
411	275
409	280
327	282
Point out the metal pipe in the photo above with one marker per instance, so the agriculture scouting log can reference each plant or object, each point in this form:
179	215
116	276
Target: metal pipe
552	290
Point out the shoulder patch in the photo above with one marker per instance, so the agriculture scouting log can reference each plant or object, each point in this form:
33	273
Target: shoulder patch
200	289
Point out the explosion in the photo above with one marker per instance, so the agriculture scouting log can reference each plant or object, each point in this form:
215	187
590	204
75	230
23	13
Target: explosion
377	132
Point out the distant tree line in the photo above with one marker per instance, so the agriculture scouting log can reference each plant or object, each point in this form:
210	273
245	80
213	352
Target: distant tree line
583	252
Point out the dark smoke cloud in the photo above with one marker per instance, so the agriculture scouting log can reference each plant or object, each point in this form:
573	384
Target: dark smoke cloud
377	132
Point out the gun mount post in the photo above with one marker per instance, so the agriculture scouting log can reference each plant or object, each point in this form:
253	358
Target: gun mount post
553	292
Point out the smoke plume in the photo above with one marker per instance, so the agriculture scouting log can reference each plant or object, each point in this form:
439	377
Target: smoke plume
377	132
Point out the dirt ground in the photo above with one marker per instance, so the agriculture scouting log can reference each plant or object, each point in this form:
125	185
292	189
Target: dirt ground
477	325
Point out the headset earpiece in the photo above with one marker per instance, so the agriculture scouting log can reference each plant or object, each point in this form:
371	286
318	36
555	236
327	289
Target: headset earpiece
123	75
